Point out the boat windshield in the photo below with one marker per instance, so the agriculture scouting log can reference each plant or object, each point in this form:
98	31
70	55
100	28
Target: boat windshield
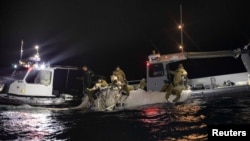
156	70
19	73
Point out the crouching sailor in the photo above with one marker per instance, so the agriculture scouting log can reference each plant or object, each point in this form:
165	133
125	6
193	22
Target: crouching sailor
179	83
92	92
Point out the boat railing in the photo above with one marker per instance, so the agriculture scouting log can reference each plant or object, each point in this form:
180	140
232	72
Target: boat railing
131	82
134	83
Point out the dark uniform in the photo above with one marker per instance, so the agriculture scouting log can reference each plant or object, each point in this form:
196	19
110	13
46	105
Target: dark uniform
88	75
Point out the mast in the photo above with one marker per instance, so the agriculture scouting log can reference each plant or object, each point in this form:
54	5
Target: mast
181	30
21	54
21	51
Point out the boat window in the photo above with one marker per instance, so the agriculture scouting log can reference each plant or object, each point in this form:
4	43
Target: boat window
156	70
66	80
197	68
19	73
31	76
39	77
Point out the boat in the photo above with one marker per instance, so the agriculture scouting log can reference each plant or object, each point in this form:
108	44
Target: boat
35	83
225	85
220	83
39	84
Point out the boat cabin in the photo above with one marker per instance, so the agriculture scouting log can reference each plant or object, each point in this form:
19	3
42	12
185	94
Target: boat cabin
206	70
45	81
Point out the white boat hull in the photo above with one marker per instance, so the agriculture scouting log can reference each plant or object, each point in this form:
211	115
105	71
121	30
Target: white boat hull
141	97
38	101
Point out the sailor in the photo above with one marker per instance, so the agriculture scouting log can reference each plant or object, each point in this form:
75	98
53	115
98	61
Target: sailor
154	56
121	87
117	84
121	78
88	75
120	75
171	90
175	91
179	83
101	83
166	87
180	76
91	92
142	84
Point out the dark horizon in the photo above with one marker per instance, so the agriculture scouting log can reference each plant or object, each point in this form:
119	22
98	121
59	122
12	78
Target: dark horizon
104	34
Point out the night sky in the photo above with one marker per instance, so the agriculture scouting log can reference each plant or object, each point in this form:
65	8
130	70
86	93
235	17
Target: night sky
104	33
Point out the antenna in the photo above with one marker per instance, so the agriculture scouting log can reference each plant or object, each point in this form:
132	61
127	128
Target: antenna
21	51
154	46
181	29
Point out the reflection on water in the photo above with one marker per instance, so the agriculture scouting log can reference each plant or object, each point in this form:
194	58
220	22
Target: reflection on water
29	125
179	122
187	121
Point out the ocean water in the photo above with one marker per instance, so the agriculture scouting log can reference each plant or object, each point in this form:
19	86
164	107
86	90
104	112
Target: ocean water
158	122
